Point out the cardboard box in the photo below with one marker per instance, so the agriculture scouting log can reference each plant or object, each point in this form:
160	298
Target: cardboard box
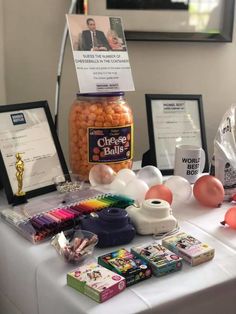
160	259
124	263
189	248
96	282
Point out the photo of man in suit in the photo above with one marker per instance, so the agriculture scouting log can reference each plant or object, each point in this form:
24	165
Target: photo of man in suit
93	39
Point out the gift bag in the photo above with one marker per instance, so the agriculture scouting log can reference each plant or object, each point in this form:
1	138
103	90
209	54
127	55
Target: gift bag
225	153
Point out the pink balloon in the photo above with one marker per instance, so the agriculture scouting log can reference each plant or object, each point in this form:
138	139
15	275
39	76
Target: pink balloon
230	218
209	191
101	174
160	191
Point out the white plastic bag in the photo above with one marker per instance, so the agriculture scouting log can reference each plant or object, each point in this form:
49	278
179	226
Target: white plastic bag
225	153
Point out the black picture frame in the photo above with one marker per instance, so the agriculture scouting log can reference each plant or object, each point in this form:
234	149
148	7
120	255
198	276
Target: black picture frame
173	103
171	29
4	177
147	4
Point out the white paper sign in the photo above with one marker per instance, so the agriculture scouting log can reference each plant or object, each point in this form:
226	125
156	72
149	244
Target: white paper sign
176	122
100	53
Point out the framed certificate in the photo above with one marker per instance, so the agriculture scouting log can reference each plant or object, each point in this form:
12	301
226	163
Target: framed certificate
173	120
28	129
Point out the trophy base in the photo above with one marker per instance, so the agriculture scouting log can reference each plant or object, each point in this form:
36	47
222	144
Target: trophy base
19	199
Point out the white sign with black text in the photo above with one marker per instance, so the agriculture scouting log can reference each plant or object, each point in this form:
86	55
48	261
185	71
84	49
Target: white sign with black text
100	53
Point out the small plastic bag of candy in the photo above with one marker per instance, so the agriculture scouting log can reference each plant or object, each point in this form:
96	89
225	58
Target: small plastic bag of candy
75	245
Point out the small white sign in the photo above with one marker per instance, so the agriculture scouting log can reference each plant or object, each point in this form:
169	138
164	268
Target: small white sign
100	53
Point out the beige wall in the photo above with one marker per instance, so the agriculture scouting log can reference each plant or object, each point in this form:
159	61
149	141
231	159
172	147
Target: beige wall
33	31
2	70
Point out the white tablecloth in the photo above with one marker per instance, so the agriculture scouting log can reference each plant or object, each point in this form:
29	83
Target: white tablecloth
33	277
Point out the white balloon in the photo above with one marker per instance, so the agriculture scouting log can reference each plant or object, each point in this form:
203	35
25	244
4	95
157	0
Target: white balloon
117	185
126	175
136	189
150	175
180	188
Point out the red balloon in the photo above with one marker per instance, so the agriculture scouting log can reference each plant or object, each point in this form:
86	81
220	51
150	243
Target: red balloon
160	191
230	218
209	191
234	198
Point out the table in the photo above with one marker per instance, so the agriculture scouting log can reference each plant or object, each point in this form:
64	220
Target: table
33	277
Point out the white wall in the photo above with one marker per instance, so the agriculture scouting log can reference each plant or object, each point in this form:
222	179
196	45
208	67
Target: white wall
33	31
2	69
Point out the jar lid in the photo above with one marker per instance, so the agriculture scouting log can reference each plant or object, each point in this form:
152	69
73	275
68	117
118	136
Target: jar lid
112	94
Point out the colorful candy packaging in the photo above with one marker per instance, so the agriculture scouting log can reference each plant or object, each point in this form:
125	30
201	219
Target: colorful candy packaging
96	282
125	264
161	260
189	248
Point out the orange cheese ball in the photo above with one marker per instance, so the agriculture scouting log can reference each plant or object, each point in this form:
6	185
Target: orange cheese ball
101	112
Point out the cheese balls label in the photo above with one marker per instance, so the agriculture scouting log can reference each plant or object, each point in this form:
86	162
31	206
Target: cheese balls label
110	144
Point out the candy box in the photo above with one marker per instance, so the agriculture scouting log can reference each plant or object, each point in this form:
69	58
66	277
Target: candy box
95	281
160	259
125	264
189	248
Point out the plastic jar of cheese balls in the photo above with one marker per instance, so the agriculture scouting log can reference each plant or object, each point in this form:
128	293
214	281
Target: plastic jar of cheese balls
100	132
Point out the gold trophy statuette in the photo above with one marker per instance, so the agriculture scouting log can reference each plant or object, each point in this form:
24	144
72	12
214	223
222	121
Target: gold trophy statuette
20	196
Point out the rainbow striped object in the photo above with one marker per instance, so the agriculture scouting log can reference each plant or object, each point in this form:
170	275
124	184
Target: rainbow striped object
46	224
